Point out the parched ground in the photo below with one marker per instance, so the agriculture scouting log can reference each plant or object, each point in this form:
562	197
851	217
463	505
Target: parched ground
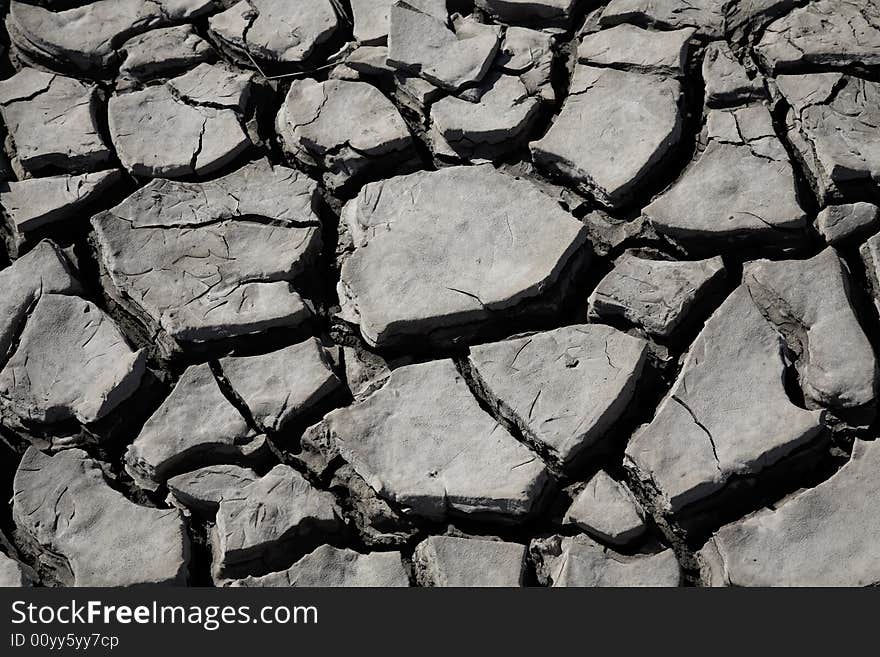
429	293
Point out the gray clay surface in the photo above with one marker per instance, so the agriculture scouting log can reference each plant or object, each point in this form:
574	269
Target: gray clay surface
417	293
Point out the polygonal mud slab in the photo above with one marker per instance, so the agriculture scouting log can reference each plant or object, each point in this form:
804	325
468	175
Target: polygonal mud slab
274	31
202	490
210	260
594	143
52	120
198	111
71	362
371	22
833	123
562	389
87	534
423	443
442	255
841	225
705	15
363	63
282	385
808	302
634	49
467	562
164	50
727	81
329	566
259	524
528	54
741	190
421	43
35	203
608	511
824	536
499	122
213	85
821	34
580	562
728	413
43	270
87	38
195	426
346	129
655	295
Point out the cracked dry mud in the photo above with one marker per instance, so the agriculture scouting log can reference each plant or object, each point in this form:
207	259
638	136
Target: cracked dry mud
440	293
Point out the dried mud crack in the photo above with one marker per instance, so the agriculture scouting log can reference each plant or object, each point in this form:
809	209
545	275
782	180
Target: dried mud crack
425	293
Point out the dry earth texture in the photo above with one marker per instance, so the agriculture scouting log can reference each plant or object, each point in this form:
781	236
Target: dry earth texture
429	293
